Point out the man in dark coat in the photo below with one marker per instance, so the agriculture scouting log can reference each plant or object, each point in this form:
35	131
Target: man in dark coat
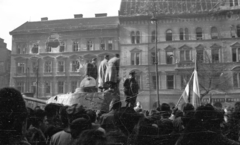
92	70
131	89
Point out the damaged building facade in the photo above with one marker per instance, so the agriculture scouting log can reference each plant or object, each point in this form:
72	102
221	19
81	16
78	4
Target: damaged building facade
48	56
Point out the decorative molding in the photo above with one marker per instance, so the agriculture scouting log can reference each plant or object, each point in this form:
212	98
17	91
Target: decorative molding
200	46
214	46
236	44
185	47
135	50
169	47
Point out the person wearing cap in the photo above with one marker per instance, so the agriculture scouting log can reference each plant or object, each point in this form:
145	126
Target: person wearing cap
102	71
92	70
112	72
131	89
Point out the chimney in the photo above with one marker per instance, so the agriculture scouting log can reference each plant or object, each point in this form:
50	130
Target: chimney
101	15
76	16
44	19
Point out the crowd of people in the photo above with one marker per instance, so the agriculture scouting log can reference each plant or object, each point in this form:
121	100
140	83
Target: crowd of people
75	125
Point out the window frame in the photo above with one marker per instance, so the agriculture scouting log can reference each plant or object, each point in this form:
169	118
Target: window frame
133	39
169	35
60	85
199	33
73	64
173	82
212	55
21	66
75	46
61	69
89	45
35	48
138	37
214	33
72	85
167	62
45	87
48	68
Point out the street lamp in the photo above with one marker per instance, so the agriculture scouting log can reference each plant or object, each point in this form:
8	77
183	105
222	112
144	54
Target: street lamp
154	20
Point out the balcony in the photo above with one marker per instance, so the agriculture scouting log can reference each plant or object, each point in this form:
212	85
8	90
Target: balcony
182	65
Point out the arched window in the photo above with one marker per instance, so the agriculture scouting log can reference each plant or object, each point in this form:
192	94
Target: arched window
35	48
153	39
238	30
214	33
199	33
137	37
133	37
169	35
186	34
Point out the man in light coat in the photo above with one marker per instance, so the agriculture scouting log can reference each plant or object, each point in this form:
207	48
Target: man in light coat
102	72
112	72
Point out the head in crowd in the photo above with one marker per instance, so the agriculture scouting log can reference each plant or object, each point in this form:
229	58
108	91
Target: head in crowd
116	137
78	120
218	105
115	104
64	116
132	74
92	115
13	115
38	119
117	55
106	57
237	106
91	137
52	113
188	108
94	60
125	119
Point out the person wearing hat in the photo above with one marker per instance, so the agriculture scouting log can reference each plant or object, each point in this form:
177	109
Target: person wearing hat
102	72
92	70
131	89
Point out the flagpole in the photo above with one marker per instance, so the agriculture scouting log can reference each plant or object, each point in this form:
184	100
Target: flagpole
182	94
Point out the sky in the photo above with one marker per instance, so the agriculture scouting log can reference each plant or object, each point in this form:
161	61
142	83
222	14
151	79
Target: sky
14	13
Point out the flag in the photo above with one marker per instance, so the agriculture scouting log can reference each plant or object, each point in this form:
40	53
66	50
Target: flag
185	94
196	90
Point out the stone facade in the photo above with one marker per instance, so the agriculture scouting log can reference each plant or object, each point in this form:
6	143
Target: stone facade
49	57
179	35
4	64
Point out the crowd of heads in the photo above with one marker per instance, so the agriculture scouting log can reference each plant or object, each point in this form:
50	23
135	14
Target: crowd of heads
76	125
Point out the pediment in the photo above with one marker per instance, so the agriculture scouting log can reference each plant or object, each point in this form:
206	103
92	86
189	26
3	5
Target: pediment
47	57
185	47
169	47
237	44
214	46
200	46
61	57
136	50
74	57
236	68
20	59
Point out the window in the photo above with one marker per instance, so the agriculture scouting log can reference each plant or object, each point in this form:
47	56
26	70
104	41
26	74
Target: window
233	31
215	55
181	34
102	44
48	48
75	65
198	33
135	57
20	68
34	67
169	57
233	3
238	31
200	55
21	47
35	48
184	55
73	86
153	57
154	81
60	87
133	37
47	87
235	54
48	66
186	34
214	33
89	45
236	80
110	44
170	81
62	47
75	46
20	86
169	35
137	37
61	66
153	38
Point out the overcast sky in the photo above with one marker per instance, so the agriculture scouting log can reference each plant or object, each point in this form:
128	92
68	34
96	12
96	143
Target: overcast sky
14	13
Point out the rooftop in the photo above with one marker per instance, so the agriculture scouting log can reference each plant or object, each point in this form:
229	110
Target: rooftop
168	7
67	25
